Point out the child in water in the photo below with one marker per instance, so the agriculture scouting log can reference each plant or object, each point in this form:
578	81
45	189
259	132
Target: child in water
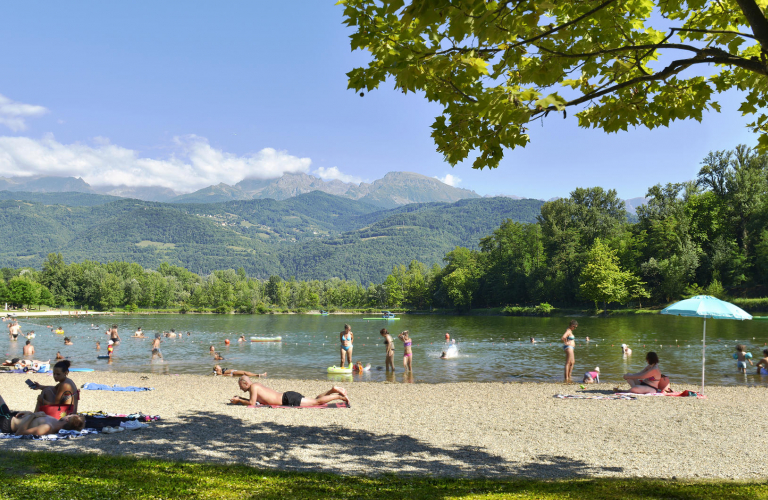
408	352
762	365
741	358
98	345
592	377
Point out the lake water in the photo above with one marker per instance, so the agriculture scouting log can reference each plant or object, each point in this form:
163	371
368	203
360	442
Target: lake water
495	348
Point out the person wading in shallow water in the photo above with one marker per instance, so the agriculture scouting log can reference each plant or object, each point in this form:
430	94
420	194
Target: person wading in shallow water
569	344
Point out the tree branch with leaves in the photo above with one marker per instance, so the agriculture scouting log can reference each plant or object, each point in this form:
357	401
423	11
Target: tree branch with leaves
495	66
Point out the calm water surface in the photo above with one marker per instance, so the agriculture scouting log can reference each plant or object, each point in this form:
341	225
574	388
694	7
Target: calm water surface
490	348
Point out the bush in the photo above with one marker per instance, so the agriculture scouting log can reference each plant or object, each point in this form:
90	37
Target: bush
752	305
542	309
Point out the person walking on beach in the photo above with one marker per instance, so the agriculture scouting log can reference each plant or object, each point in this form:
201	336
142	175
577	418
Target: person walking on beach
569	344
346	337
389	360
408	352
266	396
156	348
29	350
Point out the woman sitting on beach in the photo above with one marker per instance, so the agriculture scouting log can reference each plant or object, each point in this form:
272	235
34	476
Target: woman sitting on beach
26	423
648	381
228	372
64	394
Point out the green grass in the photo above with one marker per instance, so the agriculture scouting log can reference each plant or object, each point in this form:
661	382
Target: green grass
48	475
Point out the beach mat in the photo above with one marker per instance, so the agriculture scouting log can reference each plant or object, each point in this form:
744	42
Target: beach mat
341	404
618	396
90	386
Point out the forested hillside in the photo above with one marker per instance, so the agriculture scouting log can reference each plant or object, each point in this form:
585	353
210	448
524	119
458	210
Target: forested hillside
315	235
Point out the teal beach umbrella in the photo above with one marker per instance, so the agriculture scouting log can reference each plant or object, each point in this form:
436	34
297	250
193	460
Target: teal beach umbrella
706	306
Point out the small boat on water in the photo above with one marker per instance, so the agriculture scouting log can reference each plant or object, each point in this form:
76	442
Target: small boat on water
323	313
386	315
266	339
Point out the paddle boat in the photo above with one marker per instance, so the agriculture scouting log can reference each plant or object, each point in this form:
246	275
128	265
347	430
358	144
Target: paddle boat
266	339
323	313
389	316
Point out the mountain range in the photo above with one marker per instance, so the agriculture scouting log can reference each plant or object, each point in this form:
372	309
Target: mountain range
314	235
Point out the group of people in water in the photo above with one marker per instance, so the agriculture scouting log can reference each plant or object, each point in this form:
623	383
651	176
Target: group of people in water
346	337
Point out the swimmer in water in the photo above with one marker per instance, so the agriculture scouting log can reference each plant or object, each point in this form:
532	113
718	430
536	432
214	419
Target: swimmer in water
241	339
58	355
762	365
533	340
212	350
217	356
67	341
98	345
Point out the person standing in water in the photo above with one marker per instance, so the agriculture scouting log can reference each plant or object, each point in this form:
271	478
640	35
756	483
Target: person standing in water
389	360
346	337
408	352
114	336
15	330
156	348
569	344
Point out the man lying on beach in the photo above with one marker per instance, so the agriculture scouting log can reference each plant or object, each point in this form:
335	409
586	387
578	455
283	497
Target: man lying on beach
23	423
266	396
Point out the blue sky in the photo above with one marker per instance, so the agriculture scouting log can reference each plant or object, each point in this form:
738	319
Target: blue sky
186	94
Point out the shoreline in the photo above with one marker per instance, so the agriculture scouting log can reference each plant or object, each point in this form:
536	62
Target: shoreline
489	429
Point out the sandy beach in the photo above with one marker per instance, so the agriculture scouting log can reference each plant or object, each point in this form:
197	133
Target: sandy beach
458	429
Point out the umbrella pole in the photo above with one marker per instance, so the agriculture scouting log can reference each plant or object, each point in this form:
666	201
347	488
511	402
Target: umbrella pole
703	354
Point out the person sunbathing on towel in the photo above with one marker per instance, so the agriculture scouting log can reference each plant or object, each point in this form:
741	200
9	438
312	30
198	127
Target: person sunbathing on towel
266	396
24	423
229	372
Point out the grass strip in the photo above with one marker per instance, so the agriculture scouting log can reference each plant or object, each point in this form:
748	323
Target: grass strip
48	475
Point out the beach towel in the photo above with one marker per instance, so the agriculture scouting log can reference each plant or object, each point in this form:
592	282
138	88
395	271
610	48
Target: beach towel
681	394
53	437
624	396
340	404
90	386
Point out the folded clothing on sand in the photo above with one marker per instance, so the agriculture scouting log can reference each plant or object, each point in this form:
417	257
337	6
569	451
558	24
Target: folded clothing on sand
342	404
90	386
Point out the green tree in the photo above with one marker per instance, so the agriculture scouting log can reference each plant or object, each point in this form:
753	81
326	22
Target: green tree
494	67
602	280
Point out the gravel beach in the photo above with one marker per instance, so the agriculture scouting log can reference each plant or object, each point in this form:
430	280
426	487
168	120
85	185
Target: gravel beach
456	429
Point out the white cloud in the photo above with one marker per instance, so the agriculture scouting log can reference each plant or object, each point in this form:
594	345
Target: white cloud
449	179
193	163
332	173
13	114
